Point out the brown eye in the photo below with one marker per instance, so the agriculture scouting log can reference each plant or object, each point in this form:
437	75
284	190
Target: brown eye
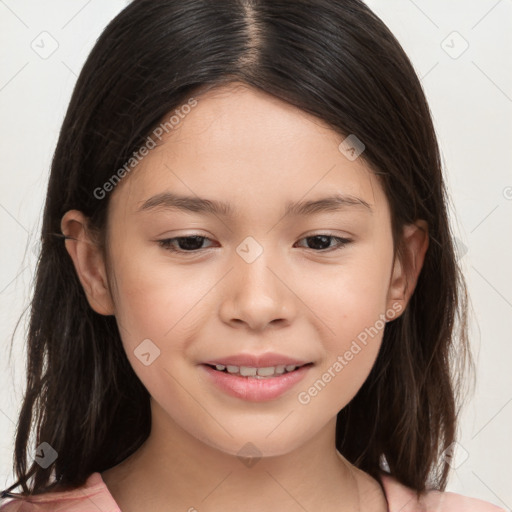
321	243
184	243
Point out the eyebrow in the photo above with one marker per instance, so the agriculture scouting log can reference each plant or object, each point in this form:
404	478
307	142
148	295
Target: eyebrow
334	203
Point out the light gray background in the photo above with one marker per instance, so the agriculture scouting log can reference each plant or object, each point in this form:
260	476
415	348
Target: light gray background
470	94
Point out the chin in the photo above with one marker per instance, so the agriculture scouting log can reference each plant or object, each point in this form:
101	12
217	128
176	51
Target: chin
257	444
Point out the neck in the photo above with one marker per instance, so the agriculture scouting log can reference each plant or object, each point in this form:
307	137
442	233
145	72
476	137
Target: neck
173	470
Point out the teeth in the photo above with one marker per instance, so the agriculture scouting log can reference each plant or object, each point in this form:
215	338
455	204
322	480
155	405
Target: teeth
245	371
265	372
248	371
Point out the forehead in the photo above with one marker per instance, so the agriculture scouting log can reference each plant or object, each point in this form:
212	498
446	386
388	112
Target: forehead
251	150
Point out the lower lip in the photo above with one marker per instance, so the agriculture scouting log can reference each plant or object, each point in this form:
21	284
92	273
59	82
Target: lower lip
256	390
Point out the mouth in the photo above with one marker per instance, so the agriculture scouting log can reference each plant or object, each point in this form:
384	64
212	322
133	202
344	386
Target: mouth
255	383
267	372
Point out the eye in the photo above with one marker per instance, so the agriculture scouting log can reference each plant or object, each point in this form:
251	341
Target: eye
193	244
321	242
186	244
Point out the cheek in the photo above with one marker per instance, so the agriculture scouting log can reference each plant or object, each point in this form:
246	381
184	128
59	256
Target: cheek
347	298
346	363
156	312
349	306
152	299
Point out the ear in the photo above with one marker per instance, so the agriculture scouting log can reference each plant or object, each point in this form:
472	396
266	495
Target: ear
407	268
88	261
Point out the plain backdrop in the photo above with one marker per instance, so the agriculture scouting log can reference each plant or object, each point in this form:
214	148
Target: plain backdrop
460	50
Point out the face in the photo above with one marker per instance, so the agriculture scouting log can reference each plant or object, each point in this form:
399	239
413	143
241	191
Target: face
251	285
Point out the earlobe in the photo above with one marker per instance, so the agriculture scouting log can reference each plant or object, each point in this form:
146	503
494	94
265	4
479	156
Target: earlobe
88	261
408	265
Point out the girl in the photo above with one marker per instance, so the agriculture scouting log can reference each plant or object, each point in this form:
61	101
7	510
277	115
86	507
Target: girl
247	291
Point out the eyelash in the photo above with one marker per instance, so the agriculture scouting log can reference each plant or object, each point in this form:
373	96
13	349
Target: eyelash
166	244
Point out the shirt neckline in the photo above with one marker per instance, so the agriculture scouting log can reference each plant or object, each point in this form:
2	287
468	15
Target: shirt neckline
95	486
386	481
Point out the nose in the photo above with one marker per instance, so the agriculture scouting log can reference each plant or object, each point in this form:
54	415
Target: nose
256	295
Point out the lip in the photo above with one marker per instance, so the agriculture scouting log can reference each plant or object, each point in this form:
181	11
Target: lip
252	389
257	361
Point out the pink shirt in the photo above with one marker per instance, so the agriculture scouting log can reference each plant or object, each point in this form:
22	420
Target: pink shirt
94	496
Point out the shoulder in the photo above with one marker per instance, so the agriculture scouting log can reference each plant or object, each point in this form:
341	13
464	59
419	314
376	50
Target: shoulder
90	497
403	499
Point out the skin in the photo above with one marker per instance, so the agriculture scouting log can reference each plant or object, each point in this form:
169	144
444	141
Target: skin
245	147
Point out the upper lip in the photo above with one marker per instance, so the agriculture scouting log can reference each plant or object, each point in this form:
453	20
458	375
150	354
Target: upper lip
257	361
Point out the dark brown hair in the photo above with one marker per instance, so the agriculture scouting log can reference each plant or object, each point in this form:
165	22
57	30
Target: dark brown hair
334	59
